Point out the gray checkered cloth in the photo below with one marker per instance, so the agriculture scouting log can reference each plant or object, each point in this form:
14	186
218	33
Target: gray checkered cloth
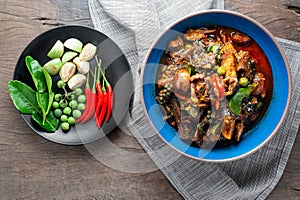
134	25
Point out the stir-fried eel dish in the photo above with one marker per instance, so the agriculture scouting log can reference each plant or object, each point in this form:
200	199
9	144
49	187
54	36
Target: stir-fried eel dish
213	84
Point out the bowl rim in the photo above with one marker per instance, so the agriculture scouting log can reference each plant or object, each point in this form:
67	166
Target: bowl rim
269	34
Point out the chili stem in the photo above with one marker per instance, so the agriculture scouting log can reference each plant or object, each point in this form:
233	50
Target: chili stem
99	66
106	82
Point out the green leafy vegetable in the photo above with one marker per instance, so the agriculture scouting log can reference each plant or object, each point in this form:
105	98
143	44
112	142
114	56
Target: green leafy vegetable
42	99
50	92
235	103
45	99
51	122
216	55
191	69
37	74
23	97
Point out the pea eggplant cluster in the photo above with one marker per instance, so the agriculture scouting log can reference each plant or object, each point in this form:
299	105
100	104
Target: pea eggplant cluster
67	107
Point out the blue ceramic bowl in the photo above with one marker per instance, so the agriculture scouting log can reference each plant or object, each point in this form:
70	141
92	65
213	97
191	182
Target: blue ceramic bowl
264	129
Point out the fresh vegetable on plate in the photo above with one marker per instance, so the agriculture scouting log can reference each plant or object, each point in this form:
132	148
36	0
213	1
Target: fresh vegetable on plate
73	44
105	98
50	124
65	106
53	66
49	110
88	52
67	71
36	73
37	103
76	81
89	98
69	55
23	97
90	101
82	66
57	50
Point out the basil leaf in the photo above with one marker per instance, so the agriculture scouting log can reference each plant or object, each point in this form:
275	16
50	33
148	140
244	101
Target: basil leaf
42	99
51	122
235	103
23	97
37	74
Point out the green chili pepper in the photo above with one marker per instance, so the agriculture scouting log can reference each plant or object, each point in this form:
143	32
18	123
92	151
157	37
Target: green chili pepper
235	103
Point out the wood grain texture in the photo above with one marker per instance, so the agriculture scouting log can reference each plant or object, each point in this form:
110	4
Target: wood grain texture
282	19
279	18
34	168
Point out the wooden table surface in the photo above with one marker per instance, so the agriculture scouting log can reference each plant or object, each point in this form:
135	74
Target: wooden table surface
34	168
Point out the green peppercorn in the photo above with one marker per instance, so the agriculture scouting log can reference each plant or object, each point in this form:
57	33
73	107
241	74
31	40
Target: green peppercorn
55	105
78	91
81	106
60	84
63	103
81	98
243	81
221	70
65	126
71	120
64	118
70	97
67	110
57	97
73	104
161	100
76	114
57	113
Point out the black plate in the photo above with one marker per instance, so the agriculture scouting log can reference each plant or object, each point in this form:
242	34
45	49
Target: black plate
117	72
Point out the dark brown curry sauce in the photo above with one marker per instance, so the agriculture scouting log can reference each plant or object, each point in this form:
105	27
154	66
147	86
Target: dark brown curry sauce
199	84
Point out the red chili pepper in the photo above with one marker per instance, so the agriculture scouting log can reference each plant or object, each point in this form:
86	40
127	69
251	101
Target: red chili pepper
103	107
98	108
110	95
105	98
110	100
99	95
88	95
91	107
